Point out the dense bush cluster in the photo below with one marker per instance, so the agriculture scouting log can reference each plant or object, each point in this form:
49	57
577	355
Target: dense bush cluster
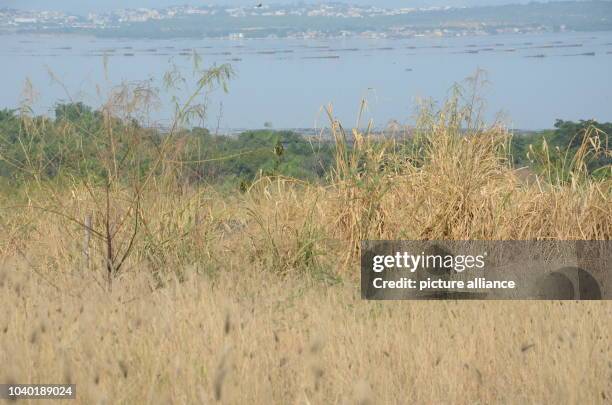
71	144
72	141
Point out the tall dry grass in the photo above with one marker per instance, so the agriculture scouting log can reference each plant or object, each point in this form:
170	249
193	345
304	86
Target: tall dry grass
254	296
250	336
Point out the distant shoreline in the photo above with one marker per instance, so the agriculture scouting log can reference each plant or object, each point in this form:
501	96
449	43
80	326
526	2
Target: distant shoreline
86	35
316	21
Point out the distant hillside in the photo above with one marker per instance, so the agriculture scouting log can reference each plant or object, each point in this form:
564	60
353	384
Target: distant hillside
85	6
339	19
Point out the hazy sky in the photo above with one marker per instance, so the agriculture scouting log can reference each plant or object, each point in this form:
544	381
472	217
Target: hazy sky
82	6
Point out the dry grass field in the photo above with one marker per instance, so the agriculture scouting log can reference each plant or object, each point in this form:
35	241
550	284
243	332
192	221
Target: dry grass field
167	293
250	337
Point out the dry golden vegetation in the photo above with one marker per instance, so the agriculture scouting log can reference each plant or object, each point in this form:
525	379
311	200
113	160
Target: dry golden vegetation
248	336
147	290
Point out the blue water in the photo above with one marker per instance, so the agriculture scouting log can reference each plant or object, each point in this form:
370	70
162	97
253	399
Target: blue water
288	88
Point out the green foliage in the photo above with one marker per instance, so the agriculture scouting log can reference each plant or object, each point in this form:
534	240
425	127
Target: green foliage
558	152
569	136
253	153
72	144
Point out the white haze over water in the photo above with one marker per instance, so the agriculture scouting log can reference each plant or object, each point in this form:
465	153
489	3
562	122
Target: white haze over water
84	6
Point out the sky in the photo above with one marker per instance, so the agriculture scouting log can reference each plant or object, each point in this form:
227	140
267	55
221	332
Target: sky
83	6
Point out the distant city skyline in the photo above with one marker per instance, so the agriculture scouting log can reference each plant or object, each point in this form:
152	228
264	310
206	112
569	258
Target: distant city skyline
84	6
